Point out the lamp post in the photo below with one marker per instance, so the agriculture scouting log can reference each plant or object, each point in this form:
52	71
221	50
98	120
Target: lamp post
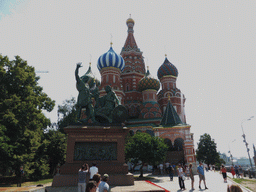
246	144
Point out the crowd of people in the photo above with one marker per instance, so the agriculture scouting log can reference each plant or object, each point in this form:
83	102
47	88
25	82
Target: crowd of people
185	172
97	183
237	170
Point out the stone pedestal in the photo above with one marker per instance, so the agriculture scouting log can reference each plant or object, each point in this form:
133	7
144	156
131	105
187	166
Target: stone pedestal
101	145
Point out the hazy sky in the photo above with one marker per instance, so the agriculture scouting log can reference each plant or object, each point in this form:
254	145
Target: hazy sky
212	44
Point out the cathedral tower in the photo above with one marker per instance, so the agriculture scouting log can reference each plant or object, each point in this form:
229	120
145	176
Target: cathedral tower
110	66
149	108
133	72
167	74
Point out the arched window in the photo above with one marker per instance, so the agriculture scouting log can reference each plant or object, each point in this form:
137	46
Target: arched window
178	144
114	79
107	79
169	143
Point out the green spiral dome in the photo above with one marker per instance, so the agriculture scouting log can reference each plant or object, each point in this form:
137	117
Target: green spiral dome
148	82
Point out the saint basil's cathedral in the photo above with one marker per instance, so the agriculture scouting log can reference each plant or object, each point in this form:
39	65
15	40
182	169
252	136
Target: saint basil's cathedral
159	112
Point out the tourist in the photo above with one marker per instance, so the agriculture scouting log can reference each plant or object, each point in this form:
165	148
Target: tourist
161	167
167	164
82	177
97	179
200	170
232	171
181	176
206	167
93	170
236	171
91	186
171	172
174	168
240	170
20	175
103	186
154	169
191	175
234	188
187	172
224	173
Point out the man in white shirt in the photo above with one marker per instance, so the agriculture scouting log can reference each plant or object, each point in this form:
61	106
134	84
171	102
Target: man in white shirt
93	170
161	166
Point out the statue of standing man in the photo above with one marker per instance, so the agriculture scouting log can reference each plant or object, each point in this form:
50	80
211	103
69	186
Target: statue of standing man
84	97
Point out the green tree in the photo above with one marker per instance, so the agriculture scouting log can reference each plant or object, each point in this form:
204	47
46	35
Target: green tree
22	121
56	146
207	150
145	148
67	113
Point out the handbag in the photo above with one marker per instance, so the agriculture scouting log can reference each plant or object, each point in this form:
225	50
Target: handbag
183	177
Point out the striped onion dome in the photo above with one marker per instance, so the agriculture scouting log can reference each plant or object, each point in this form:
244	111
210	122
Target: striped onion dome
167	68
111	59
148	82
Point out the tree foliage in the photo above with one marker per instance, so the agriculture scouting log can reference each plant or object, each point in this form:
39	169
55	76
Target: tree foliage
207	150
67	113
145	148
56	146
22	121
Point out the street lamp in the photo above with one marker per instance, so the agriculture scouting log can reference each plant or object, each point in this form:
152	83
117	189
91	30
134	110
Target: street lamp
246	144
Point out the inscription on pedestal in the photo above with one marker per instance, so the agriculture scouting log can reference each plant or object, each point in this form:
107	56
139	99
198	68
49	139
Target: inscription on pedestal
89	151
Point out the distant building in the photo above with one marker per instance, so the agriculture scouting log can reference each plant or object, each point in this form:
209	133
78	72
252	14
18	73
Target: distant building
243	161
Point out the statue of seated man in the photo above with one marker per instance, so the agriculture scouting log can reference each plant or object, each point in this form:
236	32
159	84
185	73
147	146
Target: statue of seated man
108	102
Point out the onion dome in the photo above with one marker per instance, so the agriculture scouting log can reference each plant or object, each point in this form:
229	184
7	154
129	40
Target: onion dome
130	25
111	59
167	68
88	77
148	82
129	20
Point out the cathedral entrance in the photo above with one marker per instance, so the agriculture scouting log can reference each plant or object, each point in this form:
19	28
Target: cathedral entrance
175	153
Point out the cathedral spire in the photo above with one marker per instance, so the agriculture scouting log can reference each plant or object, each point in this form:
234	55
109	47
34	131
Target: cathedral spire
170	117
130	42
